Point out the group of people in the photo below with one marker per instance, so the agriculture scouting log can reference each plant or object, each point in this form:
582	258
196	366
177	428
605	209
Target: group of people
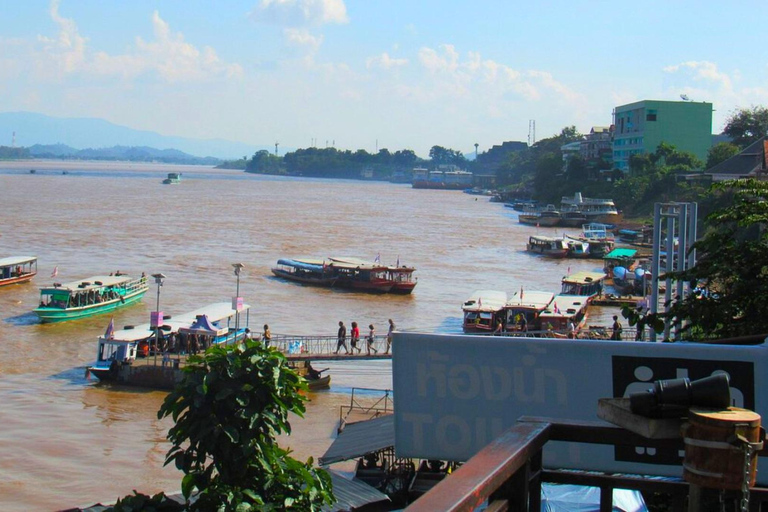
354	339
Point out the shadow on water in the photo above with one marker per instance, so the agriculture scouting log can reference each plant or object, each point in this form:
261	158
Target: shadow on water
29	318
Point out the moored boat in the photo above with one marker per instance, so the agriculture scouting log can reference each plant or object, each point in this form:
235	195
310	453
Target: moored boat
595	209
315	378
483	310
583	284
90	296
522	310
619	257
358	274
17	269
548	246
547	217
572	218
565	309
601	241
402	279
118	351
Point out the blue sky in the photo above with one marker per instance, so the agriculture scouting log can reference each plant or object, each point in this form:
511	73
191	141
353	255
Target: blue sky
363	74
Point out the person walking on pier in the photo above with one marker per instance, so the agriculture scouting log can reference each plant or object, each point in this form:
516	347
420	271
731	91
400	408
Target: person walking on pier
342	339
355	338
267	336
616	328
371	338
389	335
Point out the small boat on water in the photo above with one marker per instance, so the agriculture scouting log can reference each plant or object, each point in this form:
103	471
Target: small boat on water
601	241
619	257
546	217
528	304
565	309
315	378
172	179
307	271
119	351
595	210
548	246
90	296
483	310
583	284
358	274
17	269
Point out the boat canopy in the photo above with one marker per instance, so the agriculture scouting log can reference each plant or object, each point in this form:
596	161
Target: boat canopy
486	300
620	253
203	325
90	283
530	299
310	265
12	261
565	306
584	277
356	263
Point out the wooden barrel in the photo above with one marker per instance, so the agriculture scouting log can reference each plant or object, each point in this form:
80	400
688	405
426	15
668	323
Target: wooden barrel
714	447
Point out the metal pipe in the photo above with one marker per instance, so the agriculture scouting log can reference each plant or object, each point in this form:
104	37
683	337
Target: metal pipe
655	258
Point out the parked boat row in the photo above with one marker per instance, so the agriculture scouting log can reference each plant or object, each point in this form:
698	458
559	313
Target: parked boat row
493	311
17	269
573	212
348	272
594	242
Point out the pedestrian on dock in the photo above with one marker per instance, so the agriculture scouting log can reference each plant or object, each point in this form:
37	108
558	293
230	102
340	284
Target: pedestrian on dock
267	336
354	338
389	335
499	327
616	328
371	338
342	339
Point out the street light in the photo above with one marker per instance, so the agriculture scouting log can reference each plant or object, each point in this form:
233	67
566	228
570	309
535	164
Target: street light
156	321
237	302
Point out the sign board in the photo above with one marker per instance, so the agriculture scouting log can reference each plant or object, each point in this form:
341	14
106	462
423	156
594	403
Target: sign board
237	303
456	393
156	319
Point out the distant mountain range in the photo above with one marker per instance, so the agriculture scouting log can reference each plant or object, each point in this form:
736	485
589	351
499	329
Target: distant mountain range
124	153
38	130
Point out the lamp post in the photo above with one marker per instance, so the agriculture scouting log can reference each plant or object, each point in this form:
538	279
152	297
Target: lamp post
237	302
156	320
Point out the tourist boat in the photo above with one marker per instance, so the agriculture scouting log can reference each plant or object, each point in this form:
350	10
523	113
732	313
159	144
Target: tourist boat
572	218
402	279
577	248
118	350
172	179
564	309
596	210
17	269
547	217
307	271
528	304
548	246
88	297
483	309
583	284
600	240
630	282
358	274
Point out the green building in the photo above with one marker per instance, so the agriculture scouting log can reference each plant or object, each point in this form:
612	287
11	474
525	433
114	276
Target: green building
641	126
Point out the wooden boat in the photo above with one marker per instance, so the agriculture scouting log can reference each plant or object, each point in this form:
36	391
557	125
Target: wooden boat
547	217
119	350
483	309
17	269
357	274
528	304
577	248
90	296
601	241
402	279
564	309
548	246
315	379
583	284
307	271
619	257
172	179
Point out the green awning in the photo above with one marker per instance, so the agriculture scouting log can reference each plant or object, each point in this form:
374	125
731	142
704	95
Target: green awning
620	254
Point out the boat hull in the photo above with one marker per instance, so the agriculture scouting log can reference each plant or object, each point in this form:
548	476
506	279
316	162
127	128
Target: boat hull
314	281
323	382
17	280
549	253
403	288
49	315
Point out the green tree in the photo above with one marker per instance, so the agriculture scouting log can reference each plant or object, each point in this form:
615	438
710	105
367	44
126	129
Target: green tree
440	155
731	273
231	405
746	125
720	153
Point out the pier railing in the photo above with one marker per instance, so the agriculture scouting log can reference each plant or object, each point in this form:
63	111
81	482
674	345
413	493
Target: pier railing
507	473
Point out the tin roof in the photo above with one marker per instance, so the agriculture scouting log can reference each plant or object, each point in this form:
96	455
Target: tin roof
360	438
16	260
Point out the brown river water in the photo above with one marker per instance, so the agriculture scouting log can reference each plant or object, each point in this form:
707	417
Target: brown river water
67	441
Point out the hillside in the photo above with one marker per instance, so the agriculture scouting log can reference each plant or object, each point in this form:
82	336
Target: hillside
37	129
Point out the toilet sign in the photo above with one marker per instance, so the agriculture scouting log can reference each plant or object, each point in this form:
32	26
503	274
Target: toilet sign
456	393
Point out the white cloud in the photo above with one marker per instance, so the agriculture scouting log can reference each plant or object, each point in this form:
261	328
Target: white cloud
702	71
384	61
67	50
301	12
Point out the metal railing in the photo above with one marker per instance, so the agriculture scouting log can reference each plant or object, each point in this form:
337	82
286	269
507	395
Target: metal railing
507	474
380	406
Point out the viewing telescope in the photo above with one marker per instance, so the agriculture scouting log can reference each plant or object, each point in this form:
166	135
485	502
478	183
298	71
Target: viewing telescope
672	398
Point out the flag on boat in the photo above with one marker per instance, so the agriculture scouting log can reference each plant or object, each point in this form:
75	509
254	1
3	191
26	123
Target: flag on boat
55	271
557	309
398	261
569	270
479	302
378	258
110	332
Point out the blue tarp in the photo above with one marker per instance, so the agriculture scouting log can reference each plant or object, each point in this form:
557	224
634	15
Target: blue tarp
578	498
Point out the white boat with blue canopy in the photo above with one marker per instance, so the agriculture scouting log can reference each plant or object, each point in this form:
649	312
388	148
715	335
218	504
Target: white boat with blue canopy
215	321
306	270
